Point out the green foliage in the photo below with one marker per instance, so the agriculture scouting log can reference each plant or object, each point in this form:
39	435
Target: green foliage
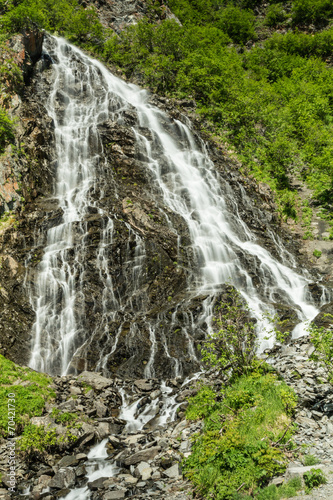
237	23
31	390
234	345
63	417
314	478
275	15
317	253
310	460
67	17
312	11
6	130
273	492
36	441
246	430
322	339
201	404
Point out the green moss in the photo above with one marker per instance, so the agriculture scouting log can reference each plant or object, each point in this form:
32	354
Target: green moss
31	390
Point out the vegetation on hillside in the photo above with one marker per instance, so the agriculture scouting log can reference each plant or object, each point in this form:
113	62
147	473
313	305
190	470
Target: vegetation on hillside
30	389
261	76
260	73
246	439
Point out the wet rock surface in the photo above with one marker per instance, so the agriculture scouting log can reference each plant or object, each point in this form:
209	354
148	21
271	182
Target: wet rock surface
149	264
146	460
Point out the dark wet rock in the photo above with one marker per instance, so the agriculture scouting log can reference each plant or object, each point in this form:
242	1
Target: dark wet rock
97	483
142	456
325	317
65	478
143	385
67	461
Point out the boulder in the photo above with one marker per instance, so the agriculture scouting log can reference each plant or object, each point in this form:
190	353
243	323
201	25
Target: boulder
65	478
143	471
97	483
95	380
143	385
142	456
173	472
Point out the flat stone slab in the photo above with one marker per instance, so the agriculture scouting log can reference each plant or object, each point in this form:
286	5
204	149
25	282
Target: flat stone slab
95	380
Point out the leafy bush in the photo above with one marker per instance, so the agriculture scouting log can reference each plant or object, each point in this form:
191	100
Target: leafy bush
275	15
312	11
64	16
233	346
6	129
246	430
314	478
237	23
322	339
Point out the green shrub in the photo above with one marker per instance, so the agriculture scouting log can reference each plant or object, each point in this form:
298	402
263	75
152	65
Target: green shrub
322	340
310	460
237	23
234	345
312	11
275	15
314	478
246	430
6	130
64	16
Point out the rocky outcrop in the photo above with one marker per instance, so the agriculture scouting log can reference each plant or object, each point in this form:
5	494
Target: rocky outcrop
117	14
147	461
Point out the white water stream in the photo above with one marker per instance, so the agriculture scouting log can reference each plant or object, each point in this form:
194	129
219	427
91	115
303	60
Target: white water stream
188	185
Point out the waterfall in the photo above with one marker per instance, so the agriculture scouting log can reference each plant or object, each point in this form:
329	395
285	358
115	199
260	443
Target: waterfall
183	179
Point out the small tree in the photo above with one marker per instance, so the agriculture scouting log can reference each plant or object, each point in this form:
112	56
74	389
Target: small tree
233	346
322	340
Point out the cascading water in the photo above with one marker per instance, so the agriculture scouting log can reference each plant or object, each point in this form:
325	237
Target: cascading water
183	179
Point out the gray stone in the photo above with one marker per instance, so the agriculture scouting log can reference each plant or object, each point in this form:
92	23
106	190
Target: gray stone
65	478
185	446
142	456
134	439
179	428
143	471
101	409
67	461
80	471
67	405
173	472
143	385
277	481
155	394
76	391
95	380
103	430
115	442
98	483
114	495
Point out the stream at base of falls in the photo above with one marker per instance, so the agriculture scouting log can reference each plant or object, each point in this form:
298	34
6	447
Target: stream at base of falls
141	459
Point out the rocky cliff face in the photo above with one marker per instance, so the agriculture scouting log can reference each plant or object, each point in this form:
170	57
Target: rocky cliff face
159	291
